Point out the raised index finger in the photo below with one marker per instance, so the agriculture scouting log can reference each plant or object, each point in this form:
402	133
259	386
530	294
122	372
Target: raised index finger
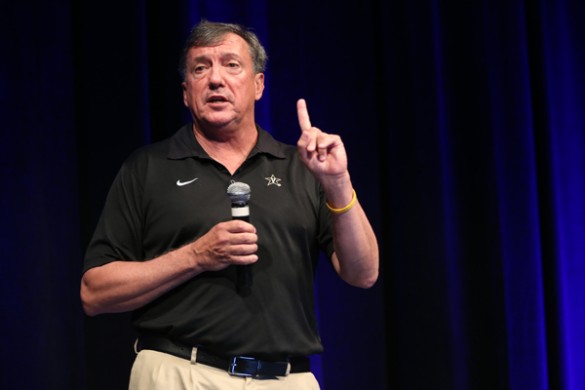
303	114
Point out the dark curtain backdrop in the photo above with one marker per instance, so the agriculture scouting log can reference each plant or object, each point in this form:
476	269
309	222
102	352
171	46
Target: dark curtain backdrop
464	123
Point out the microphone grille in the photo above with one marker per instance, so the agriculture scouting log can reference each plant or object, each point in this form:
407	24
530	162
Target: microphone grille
239	192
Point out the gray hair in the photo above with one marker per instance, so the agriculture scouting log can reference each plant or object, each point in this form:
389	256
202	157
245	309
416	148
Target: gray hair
207	33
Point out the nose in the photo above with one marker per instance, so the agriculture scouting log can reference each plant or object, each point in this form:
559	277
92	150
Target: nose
215	77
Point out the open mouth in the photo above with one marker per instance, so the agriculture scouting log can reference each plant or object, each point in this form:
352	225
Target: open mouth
217	99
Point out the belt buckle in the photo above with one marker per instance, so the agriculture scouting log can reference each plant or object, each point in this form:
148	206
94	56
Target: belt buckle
234	370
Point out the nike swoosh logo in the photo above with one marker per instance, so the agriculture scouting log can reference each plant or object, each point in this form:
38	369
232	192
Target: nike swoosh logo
184	183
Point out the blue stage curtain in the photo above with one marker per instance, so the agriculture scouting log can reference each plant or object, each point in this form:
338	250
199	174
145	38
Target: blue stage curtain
465	129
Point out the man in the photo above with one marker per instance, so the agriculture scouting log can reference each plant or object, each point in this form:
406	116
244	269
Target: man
166	248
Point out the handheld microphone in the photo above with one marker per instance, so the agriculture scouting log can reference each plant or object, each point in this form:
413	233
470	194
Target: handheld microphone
239	194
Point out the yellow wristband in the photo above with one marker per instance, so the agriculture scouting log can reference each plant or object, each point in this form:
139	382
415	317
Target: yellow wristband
343	209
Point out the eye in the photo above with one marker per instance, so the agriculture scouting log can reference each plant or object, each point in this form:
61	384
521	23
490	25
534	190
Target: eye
198	69
233	66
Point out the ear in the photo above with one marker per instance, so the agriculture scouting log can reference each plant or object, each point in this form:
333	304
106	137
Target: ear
259	82
185	95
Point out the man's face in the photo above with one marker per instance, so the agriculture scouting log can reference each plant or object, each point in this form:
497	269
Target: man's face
220	86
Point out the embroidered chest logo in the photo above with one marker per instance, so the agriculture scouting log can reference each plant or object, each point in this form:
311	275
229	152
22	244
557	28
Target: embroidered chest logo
273	181
184	183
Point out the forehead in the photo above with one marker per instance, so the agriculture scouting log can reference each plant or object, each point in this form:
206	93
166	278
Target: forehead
228	44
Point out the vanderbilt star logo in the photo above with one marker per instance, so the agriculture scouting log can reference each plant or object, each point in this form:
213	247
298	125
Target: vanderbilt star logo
273	181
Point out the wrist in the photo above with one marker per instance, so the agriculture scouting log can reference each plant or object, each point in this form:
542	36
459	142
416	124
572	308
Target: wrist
195	256
338	188
344	209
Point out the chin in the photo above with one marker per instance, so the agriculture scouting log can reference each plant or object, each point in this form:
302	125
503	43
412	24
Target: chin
218	122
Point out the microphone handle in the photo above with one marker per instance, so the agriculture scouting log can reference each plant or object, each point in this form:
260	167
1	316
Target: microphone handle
242	218
243	272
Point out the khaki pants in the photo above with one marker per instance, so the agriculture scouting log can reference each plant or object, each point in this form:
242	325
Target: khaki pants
154	370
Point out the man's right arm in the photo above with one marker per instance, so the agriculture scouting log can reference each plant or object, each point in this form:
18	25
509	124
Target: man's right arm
122	286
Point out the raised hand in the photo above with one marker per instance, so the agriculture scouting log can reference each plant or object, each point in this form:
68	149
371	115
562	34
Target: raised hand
322	153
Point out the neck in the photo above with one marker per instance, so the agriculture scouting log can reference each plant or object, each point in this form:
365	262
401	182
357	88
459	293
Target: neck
229	148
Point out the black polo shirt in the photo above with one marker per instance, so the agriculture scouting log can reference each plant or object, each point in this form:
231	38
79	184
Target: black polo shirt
171	192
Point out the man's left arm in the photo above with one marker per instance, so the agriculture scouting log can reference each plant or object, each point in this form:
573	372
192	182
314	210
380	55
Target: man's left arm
356	257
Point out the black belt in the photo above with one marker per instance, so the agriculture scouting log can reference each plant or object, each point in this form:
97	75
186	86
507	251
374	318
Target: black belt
236	365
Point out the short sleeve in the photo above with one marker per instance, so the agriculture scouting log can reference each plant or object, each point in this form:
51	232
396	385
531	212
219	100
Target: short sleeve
118	235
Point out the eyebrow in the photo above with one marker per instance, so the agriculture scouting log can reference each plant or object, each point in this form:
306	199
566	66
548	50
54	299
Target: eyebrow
222	56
